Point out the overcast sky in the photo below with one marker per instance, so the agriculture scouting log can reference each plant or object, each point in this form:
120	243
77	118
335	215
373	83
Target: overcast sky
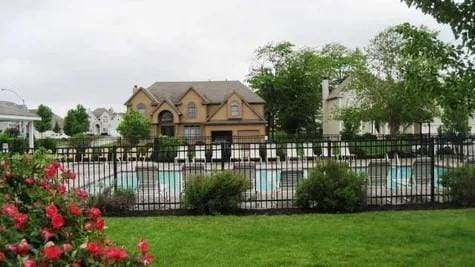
62	53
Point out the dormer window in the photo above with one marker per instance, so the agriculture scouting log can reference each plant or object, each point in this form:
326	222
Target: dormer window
141	108
235	109
191	110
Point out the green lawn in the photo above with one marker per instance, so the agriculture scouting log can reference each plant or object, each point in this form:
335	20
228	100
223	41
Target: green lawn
395	238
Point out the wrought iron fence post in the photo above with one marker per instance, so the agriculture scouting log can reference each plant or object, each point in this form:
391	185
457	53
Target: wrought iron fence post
432	164
222	156
114	156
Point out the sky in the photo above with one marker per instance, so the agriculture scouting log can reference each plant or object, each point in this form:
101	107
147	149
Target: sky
64	53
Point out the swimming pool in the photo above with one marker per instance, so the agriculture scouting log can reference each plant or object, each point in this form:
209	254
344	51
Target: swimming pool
266	180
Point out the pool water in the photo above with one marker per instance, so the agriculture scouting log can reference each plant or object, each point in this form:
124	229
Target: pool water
266	180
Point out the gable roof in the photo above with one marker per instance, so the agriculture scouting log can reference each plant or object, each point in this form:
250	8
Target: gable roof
214	92
12	110
146	92
225	102
338	90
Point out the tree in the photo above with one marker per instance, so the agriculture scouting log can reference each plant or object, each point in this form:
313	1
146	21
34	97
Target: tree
76	121
458	14
56	128
403	75
289	80
46	116
134	126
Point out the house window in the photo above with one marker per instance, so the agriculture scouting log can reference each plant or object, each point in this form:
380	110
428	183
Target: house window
191	110
165	119
141	108
192	132
235	109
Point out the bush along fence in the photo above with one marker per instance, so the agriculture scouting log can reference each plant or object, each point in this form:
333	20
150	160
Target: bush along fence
156	174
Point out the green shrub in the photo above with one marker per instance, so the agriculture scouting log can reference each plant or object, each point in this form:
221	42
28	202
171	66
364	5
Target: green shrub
165	148
332	186
118	201
217	193
46	143
461	184
15	144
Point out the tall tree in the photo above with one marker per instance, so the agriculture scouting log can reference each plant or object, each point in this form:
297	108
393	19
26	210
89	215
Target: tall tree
134	126
76	121
403	74
460	15
289	80
46	116
56	128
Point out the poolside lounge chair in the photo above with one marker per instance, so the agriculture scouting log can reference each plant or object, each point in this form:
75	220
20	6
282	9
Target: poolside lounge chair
308	151
104	154
237	153
345	152
271	152
377	184
421	176
132	154
182	154
119	153
216	152
88	155
326	152
200	153
254	153
291	151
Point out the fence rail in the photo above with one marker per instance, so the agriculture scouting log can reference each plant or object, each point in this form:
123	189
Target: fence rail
402	171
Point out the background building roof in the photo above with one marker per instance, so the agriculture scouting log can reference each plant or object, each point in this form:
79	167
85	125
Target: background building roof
10	109
212	91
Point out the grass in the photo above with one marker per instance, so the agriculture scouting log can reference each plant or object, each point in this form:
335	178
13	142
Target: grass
392	238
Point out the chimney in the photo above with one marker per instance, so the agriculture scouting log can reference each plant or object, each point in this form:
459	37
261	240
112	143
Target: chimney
325	112
136	88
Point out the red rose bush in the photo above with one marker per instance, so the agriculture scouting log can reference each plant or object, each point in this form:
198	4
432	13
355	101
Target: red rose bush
45	222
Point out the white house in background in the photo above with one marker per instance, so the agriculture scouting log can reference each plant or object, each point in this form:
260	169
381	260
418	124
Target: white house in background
339	96
104	121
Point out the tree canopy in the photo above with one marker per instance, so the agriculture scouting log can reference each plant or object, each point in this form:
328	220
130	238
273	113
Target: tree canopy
289	80
76	121
134	126
46	116
460	15
402	79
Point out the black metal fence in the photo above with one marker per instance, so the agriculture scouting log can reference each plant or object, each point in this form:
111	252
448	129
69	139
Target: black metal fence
403	171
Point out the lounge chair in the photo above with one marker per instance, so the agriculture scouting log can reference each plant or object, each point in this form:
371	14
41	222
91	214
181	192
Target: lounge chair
421	175
216	155
326	152
308	151
104	154
88	155
271	152
132	154
200	153
291	151
182	154
377	183
119	153
254	153
237	153
345	152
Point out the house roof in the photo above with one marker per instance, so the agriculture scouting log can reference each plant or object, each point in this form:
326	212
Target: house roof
12	111
214	92
338	90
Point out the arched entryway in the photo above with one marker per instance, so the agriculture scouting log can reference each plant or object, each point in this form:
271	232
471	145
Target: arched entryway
165	122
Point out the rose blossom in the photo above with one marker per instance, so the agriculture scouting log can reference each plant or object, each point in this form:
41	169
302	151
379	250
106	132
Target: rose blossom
146	260
52	252
74	209
143	246
116	253
29	263
51	210
46	234
94	249
57	221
